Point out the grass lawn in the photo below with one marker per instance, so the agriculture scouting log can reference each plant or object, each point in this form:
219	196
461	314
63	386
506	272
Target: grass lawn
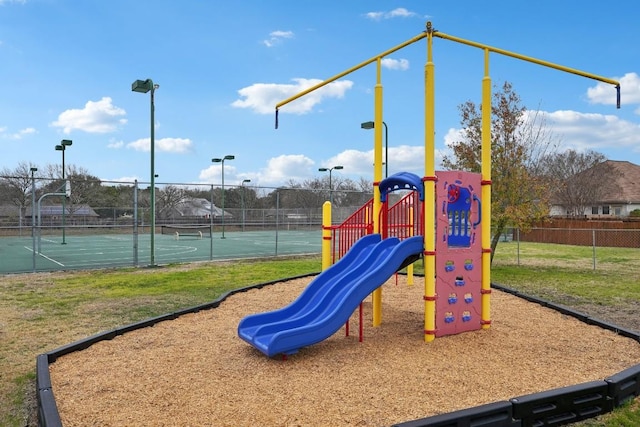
40	312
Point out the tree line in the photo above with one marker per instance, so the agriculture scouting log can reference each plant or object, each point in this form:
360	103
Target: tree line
16	187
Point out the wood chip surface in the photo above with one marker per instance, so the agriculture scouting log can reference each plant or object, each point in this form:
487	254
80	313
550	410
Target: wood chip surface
195	371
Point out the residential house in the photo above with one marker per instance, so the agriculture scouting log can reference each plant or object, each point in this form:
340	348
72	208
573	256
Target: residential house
197	208
620	195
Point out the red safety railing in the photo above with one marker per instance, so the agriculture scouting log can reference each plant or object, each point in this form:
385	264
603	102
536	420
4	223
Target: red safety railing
403	219
356	226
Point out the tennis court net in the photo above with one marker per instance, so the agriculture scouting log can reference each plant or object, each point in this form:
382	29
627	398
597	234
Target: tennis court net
179	232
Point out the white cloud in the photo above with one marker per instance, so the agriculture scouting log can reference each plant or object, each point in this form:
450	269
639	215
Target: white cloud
169	145
452	136
285	167
402	13
277	172
399	12
3	2
355	162
276	37
395	64
27	131
213	174
579	131
593	131
262	97
375	16
96	117
605	93
115	144
401	158
16	135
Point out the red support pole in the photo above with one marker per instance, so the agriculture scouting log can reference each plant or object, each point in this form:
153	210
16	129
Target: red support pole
361	338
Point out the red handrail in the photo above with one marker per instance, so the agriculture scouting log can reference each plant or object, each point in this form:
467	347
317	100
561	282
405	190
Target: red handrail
402	220
356	226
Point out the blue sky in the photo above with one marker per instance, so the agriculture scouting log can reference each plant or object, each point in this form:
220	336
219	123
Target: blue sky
67	68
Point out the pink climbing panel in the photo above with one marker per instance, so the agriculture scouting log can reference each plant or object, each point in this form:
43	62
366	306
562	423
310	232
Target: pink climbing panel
458	252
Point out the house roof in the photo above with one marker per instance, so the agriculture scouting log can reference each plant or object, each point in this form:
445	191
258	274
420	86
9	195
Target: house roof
622	180
49	210
9	210
56	210
200	208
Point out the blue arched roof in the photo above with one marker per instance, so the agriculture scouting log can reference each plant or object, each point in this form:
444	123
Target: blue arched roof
401	181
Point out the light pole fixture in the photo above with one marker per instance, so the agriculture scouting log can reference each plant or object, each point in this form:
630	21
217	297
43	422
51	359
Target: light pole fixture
221	160
244	181
144	86
33	215
371	125
330	185
63	147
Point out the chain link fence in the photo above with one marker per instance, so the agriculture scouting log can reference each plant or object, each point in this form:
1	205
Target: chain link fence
598	246
41	229
40	224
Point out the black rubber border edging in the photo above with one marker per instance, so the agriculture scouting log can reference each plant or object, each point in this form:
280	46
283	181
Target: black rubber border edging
552	407
549	408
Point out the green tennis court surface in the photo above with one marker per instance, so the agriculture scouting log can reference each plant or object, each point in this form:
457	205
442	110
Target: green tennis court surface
99	251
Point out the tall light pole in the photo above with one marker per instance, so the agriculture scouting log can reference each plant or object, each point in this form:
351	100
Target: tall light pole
144	86
63	147
211	225
33	215
244	181
330	185
218	160
371	125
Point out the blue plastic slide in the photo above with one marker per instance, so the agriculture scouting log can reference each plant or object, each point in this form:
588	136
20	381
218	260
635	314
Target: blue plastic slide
329	300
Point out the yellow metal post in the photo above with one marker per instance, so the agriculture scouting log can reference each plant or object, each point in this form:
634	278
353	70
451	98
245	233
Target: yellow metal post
377	177
326	235
429	195
485	289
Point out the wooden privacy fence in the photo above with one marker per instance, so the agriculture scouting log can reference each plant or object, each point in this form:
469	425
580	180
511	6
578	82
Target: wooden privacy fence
604	233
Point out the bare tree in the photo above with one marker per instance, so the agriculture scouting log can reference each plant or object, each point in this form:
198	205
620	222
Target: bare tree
85	188
519	142
167	199
577	179
306	195
365	185
348	193
16	187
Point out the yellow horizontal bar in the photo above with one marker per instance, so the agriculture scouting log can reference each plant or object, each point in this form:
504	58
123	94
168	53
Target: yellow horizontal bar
352	69
526	58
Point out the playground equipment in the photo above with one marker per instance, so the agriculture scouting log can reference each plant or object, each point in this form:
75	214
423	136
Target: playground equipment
329	300
455	216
